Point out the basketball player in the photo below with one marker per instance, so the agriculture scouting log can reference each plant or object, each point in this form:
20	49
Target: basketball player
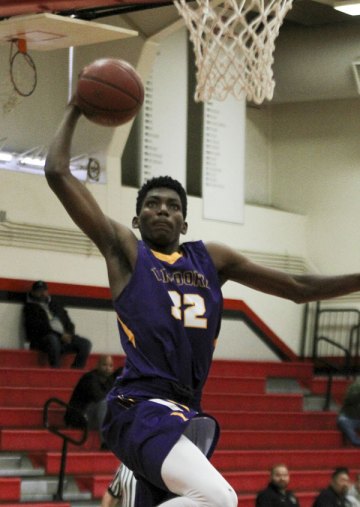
168	301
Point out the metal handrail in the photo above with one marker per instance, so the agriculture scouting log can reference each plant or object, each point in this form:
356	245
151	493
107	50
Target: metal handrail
332	366
65	436
321	311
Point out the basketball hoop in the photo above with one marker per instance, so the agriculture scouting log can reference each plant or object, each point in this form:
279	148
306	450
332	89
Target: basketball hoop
22	77
234	45
23	73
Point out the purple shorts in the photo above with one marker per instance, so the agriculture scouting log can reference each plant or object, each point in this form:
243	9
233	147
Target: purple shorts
141	432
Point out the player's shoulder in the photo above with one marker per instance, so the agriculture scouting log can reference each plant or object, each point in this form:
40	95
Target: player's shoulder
222	255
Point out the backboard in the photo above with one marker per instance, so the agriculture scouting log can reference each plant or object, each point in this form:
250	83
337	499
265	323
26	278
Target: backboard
46	32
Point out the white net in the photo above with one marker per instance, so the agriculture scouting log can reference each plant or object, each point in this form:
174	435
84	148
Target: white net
9	99
234	45
20	81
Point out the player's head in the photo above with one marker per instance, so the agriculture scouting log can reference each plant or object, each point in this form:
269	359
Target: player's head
161	209
280	476
340	481
162	182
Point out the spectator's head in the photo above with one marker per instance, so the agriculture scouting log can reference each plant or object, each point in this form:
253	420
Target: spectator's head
105	365
280	476
39	291
340	481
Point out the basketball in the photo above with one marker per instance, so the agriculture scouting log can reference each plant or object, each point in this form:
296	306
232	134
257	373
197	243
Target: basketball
109	92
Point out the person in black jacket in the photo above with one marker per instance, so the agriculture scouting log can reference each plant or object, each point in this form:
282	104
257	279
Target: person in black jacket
335	495
49	328
89	395
277	494
348	419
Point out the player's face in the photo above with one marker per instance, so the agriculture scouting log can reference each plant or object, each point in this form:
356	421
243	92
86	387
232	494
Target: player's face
161	219
280	477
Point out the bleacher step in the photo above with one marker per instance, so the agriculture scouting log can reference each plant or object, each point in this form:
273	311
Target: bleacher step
313	402
295	459
32	396
291	369
272	439
40	439
9	489
254	402
36	504
44	489
235	385
85	503
248	420
284	385
21	377
31	418
17	464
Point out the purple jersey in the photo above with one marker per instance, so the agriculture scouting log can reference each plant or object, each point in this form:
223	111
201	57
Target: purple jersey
169	318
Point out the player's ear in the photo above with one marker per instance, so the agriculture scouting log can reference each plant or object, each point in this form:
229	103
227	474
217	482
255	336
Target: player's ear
135	223
184	228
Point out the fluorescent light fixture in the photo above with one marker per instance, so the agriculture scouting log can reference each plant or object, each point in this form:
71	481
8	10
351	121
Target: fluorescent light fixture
351	8
5	157
34	162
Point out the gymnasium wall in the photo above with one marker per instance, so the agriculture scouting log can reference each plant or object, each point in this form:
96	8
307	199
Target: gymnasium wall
316	171
300	182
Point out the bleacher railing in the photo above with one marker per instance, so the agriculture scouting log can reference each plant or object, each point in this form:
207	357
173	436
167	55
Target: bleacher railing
62	431
331	338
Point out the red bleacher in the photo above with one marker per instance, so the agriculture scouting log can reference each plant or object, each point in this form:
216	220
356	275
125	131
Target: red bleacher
258	428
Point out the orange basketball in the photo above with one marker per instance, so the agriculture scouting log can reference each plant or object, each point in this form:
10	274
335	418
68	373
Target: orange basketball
109	92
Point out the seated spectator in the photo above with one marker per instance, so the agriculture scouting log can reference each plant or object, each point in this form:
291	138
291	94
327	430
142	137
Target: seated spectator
349	416
89	395
335	495
121	490
49	328
277	494
354	493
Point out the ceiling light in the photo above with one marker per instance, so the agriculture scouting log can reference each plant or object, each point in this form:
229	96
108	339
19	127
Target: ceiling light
351	8
83	167
34	162
5	157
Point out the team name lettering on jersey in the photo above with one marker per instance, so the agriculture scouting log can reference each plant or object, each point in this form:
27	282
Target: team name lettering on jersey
191	278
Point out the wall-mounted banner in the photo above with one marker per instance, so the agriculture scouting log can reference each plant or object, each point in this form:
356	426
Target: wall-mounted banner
164	119
224	160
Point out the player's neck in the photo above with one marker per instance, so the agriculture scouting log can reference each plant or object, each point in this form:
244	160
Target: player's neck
164	249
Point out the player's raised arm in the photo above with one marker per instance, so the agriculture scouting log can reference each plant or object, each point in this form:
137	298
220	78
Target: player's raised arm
76	198
117	243
298	288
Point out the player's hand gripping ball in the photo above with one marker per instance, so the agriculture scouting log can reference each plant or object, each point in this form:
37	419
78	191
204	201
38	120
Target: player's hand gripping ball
109	92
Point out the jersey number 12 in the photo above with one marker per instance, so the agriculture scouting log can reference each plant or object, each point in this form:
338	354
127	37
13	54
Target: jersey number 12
189	308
